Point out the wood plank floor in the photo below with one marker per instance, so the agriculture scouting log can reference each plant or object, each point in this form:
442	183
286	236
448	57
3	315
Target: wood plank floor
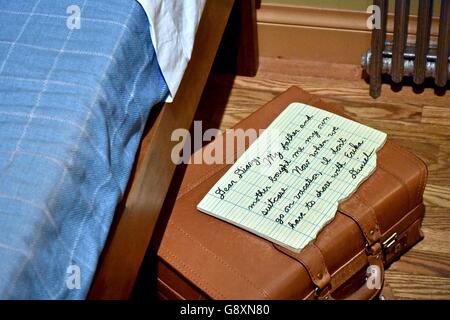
419	121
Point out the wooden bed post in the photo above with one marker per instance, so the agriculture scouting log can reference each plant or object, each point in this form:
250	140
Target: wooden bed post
136	217
248	52
239	50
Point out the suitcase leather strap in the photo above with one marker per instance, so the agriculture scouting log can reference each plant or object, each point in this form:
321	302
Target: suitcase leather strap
364	216
312	259
367	291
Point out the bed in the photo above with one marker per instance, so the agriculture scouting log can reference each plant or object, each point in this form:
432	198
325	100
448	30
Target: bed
74	104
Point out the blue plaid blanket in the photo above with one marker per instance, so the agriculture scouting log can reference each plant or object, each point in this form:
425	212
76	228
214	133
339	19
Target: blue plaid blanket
77	81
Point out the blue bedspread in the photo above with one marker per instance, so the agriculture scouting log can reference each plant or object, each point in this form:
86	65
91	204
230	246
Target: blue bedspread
73	105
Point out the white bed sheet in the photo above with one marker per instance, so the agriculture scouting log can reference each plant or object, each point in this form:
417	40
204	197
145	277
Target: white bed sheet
173	27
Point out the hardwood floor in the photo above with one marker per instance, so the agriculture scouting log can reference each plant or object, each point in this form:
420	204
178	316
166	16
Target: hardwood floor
418	121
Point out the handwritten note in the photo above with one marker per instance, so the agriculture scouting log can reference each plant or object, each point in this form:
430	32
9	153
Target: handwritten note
288	184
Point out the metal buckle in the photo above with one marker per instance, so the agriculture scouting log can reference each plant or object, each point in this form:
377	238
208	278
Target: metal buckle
317	291
390	241
322	293
374	250
393	245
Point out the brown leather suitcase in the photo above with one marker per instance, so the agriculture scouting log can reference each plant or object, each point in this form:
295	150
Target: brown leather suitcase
201	257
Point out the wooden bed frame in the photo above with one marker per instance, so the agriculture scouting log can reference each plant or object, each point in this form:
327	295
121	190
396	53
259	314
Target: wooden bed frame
136	216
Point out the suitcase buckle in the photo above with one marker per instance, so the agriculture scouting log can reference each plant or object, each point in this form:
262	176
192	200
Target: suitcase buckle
322	294
393	245
374	250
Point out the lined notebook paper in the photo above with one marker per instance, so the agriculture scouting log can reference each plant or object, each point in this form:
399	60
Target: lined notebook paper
289	182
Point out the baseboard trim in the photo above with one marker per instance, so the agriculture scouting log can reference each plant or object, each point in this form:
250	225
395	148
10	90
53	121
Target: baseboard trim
326	35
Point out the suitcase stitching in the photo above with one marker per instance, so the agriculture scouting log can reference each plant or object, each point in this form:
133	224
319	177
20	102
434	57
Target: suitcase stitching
199	182
420	165
410	205
195	274
209	251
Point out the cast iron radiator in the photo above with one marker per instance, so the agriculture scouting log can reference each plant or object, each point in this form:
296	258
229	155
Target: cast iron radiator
400	58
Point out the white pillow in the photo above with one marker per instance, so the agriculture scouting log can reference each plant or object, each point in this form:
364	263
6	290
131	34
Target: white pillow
173	27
